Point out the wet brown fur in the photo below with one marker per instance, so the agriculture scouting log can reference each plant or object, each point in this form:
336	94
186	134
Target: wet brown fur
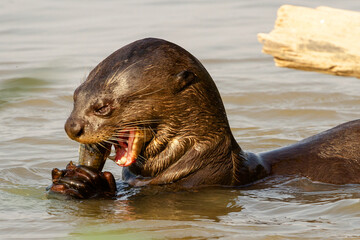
158	86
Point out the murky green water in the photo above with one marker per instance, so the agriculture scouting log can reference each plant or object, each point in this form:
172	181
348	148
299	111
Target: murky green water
48	47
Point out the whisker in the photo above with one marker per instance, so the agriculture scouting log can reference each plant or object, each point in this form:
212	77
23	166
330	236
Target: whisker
138	91
108	141
123	127
147	100
153	132
117	140
110	80
142	160
123	72
94	146
146	94
100	144
123	132
143	121
139	94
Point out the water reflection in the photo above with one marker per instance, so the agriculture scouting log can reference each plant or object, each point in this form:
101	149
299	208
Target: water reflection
155	203
276	205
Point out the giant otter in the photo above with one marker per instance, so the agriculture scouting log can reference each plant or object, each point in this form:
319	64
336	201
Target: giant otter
160	109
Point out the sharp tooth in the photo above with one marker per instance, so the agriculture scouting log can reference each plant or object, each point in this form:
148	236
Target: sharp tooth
112	157
121	161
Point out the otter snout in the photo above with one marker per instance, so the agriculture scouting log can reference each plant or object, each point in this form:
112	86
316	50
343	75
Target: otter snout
74	128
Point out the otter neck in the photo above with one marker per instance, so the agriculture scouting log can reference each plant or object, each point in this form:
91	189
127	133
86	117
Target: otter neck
188	160
197	157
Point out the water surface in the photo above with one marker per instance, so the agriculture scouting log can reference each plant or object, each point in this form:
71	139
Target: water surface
47	49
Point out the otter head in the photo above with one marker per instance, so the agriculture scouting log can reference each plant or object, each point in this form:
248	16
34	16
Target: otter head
148	100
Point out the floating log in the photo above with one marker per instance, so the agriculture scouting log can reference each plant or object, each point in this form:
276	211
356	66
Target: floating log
323	39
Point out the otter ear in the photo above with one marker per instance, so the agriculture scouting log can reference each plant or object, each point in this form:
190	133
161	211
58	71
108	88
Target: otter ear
183	79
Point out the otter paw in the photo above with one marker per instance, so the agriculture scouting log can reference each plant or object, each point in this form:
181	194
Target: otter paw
82	182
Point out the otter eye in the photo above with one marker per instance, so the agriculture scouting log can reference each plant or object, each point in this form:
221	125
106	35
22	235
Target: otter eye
103	110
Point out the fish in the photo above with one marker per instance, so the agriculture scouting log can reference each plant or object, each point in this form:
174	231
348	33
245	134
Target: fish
94	155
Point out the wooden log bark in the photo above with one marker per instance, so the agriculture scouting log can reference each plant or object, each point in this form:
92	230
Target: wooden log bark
323	39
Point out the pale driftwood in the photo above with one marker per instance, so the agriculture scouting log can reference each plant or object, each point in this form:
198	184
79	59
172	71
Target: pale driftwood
322	39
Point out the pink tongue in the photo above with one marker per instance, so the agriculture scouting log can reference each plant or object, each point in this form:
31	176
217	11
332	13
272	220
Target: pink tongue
125	157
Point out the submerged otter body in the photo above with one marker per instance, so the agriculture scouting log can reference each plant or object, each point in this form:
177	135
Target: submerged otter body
160	109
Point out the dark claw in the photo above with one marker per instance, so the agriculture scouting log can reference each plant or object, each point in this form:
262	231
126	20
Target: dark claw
82	182
111	181
56	174
70	166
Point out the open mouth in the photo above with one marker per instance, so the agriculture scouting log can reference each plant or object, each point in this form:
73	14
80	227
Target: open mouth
128	146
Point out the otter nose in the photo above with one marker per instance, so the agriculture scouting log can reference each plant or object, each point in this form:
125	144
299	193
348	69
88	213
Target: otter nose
74	128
